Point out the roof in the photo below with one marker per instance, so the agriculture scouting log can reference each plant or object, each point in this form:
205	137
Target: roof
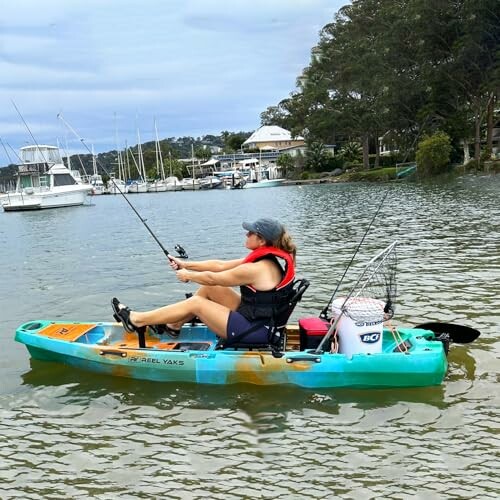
271	133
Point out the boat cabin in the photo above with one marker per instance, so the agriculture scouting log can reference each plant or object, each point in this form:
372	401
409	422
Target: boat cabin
42	167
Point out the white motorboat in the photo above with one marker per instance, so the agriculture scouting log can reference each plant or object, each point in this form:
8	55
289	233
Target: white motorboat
264	177
172	183
264	183
138	186
157	186
43	181
211	182
97	184
190	184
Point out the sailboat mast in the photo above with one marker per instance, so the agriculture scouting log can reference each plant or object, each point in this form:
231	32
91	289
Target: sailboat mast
142	170
158	154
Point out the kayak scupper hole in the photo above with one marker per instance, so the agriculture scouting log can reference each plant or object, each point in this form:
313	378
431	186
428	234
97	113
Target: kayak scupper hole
33	326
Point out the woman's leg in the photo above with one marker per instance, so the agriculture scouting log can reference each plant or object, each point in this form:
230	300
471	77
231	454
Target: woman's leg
214	315
223	295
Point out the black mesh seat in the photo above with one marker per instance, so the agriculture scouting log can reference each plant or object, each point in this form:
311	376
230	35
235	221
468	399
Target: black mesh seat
276	341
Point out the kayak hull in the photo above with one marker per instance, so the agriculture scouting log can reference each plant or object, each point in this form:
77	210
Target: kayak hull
106	348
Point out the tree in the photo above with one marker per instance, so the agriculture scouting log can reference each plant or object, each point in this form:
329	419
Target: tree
316	156
285	161
202	153
433	154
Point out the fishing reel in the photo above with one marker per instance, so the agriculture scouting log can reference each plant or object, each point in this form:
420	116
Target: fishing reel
181	253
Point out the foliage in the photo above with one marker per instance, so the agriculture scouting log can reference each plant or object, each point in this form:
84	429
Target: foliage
316	156
410	68
373	175
234	141
351	151
202	153
286	162
433	154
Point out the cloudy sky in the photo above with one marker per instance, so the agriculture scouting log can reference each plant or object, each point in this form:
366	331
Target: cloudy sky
197	66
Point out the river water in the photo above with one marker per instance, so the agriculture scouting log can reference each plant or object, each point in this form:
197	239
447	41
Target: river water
71	434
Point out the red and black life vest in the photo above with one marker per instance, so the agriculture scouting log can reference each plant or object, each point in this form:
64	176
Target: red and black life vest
273	304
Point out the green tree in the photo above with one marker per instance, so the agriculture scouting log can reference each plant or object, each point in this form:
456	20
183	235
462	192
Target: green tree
316	156
433	154
285	161
202	153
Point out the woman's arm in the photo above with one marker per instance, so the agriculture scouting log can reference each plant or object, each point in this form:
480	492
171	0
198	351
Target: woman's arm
263	275
204	265
242	274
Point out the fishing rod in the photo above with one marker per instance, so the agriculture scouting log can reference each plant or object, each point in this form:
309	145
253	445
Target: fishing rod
324	312
179	249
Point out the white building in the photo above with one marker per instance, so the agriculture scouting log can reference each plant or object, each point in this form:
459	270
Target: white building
271	137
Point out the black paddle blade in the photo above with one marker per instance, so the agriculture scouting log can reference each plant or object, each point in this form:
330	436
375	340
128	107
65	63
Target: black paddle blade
459	334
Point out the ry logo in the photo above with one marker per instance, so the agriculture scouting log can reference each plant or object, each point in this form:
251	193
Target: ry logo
370	338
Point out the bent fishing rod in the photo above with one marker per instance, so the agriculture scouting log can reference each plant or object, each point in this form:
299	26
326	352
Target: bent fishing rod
324	312
178	248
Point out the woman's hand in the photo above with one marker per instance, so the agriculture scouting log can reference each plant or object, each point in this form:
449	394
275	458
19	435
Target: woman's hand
183	275
175	264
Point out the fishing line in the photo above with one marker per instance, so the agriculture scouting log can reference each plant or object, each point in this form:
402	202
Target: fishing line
324	312
165	251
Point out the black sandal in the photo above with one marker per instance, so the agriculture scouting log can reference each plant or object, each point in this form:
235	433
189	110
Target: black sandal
162	329
122	315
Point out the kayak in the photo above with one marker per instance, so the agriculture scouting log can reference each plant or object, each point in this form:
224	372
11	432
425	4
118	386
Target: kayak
413	358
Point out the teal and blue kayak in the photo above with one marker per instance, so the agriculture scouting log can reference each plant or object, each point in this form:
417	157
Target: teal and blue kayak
196	357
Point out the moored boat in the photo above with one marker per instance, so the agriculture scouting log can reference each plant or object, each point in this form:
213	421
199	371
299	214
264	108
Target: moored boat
44	182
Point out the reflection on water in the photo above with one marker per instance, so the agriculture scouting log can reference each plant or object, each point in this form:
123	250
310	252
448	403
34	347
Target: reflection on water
68	433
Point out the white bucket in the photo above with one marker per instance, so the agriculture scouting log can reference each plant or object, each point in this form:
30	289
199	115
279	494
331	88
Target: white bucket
360	336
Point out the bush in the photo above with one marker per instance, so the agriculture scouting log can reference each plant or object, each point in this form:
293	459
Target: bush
433	154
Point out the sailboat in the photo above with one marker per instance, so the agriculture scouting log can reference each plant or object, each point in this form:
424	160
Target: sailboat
95	179
117	184
140	185
172	183
191	183
158	185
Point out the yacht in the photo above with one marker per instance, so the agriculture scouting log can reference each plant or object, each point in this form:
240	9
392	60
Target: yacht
43	181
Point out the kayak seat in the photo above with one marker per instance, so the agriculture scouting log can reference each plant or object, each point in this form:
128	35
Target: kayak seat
277	339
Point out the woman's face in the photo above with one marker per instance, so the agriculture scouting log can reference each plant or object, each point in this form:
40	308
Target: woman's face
254	241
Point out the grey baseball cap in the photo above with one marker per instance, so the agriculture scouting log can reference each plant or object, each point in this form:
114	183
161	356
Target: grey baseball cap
269	229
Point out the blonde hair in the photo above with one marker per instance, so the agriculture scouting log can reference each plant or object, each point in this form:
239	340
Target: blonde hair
285	242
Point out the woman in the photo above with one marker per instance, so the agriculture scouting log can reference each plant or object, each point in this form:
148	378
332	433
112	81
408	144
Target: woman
265	285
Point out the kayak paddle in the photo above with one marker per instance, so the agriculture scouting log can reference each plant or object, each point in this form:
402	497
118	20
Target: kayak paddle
459	334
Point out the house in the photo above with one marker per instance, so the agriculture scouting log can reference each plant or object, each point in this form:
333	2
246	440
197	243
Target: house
271	137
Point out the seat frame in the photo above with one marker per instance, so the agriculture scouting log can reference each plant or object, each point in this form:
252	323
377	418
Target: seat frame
299	286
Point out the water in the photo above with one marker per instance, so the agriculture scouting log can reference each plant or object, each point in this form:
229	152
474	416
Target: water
71	434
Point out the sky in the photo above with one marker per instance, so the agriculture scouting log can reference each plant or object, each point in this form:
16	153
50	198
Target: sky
113	67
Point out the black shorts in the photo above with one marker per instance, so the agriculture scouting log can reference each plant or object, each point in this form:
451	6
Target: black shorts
238	324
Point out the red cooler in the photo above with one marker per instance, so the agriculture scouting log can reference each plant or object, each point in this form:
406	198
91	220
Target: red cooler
312	330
